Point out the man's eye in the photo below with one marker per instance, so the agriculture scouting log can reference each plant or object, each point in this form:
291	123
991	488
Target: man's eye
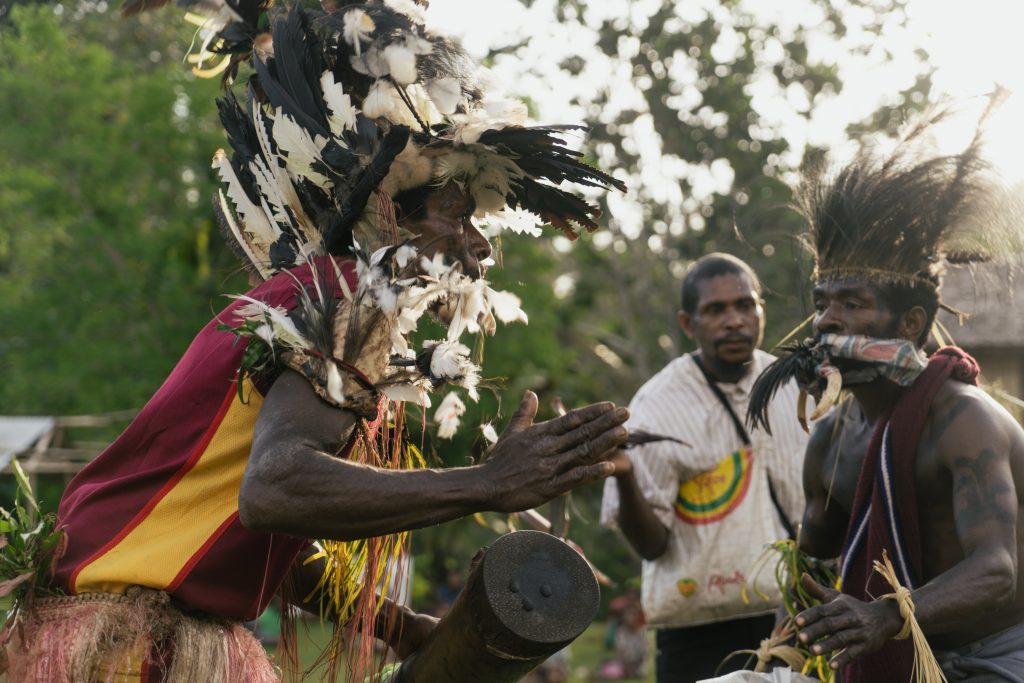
851	305
819	306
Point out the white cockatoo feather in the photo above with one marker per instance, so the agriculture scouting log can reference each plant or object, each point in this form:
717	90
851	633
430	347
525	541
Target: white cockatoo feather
342	113
401	63
410	393
447	415
409	9
301	151
357	26
446	94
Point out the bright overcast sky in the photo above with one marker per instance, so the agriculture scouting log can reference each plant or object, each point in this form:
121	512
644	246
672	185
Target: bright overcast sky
974	45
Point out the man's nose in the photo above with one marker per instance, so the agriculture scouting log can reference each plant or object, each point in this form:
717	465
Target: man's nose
477	249
826	322
733	318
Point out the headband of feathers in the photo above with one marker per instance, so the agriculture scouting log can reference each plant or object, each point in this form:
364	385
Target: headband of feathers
895	220
899	218
350	106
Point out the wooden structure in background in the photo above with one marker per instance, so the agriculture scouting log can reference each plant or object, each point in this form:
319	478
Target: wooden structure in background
992	298
43	445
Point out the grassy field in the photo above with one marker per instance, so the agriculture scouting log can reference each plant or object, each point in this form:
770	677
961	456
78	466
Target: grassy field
585	654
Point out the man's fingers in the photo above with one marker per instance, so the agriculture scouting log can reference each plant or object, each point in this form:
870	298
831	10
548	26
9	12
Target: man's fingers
598	448
585	474
577	417
847	655
816	590
591	431
524	414
842	641
831	627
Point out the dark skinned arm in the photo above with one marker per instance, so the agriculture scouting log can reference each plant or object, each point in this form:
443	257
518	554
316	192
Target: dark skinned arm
975	452
641	527
402	629
294	485
824	522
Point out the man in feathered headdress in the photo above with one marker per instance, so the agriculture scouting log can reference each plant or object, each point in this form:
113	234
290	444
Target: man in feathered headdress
363	152
917	483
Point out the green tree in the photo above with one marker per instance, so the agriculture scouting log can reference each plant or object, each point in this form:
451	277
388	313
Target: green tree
108	261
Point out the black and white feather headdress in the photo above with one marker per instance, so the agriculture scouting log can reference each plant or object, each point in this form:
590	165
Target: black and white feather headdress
347	108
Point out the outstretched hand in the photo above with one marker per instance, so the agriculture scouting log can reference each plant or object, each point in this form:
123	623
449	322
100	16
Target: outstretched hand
844	623
532	463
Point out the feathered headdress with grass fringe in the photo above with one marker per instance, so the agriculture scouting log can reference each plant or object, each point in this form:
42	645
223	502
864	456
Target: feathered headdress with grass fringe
894	219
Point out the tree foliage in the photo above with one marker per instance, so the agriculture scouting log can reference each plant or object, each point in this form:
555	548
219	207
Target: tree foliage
108	261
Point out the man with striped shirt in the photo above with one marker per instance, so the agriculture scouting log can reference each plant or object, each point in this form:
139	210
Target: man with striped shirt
700	514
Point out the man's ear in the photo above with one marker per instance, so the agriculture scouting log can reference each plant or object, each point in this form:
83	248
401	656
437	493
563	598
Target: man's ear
686	322
912	323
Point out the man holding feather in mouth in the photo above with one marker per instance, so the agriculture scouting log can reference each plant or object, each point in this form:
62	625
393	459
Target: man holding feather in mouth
916	484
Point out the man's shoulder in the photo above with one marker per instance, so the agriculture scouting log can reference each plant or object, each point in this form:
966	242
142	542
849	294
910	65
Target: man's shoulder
963	417
679	375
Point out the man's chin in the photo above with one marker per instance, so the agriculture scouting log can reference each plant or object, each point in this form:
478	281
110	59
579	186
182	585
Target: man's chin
739	354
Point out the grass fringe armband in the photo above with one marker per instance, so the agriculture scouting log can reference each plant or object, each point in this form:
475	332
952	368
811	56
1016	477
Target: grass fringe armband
926	668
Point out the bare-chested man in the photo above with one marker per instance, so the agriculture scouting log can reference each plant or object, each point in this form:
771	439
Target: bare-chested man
921	465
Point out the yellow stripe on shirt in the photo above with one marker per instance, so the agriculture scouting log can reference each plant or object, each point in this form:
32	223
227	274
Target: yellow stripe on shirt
155	551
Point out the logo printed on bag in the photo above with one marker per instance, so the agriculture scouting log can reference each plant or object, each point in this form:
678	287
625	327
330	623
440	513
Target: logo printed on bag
687	587
723	581
712	495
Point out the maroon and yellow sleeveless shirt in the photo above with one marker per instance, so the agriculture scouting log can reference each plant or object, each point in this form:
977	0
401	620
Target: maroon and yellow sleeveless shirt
159	507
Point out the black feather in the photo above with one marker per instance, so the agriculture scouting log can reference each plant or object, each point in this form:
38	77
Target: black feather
794	361
339	239
638	437
283	252
290	79
244	143
541	152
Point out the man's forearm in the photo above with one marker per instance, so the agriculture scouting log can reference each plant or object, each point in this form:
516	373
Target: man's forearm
313	495
641	527
976	586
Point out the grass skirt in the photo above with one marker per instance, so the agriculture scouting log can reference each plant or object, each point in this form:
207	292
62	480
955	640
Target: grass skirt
138	636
